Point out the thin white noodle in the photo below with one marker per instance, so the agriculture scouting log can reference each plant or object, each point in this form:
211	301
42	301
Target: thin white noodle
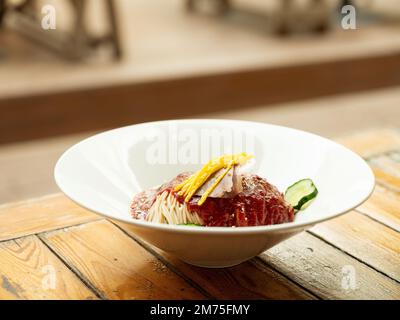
166	209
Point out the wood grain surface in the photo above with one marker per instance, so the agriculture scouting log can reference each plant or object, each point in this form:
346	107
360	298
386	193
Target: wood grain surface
386	168
116	265
321	268
367	240
26	270
372	142
249	280
383	206
48	213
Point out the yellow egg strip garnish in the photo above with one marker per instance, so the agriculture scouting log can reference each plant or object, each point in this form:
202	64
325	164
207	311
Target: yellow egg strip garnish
184	186
202	176
214	185
190	186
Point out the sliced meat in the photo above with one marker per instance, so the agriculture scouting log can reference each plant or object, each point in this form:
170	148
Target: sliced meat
228	187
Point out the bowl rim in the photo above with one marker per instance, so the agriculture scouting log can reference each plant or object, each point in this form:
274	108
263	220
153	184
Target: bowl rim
214	230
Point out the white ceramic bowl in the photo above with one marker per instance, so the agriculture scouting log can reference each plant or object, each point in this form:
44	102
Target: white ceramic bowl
104	172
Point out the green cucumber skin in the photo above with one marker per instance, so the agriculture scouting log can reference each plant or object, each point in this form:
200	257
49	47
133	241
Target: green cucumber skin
305	199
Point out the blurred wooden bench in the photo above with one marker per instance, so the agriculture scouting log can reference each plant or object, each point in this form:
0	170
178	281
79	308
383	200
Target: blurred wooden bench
315	14
77	43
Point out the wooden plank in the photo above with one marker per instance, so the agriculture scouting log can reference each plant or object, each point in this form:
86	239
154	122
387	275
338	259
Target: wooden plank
27	267
386	179
384	203
249	280
373	142
327	271
40	215
387	170
383	206
365	239
116	265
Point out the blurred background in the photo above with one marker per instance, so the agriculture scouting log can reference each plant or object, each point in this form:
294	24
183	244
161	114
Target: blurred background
71	68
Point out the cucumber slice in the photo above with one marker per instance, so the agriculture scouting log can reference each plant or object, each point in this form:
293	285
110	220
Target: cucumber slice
301	193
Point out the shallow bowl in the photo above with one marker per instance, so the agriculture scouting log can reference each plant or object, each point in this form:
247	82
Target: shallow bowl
104	172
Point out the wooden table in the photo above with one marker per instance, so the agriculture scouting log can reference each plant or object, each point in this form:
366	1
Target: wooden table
52	249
